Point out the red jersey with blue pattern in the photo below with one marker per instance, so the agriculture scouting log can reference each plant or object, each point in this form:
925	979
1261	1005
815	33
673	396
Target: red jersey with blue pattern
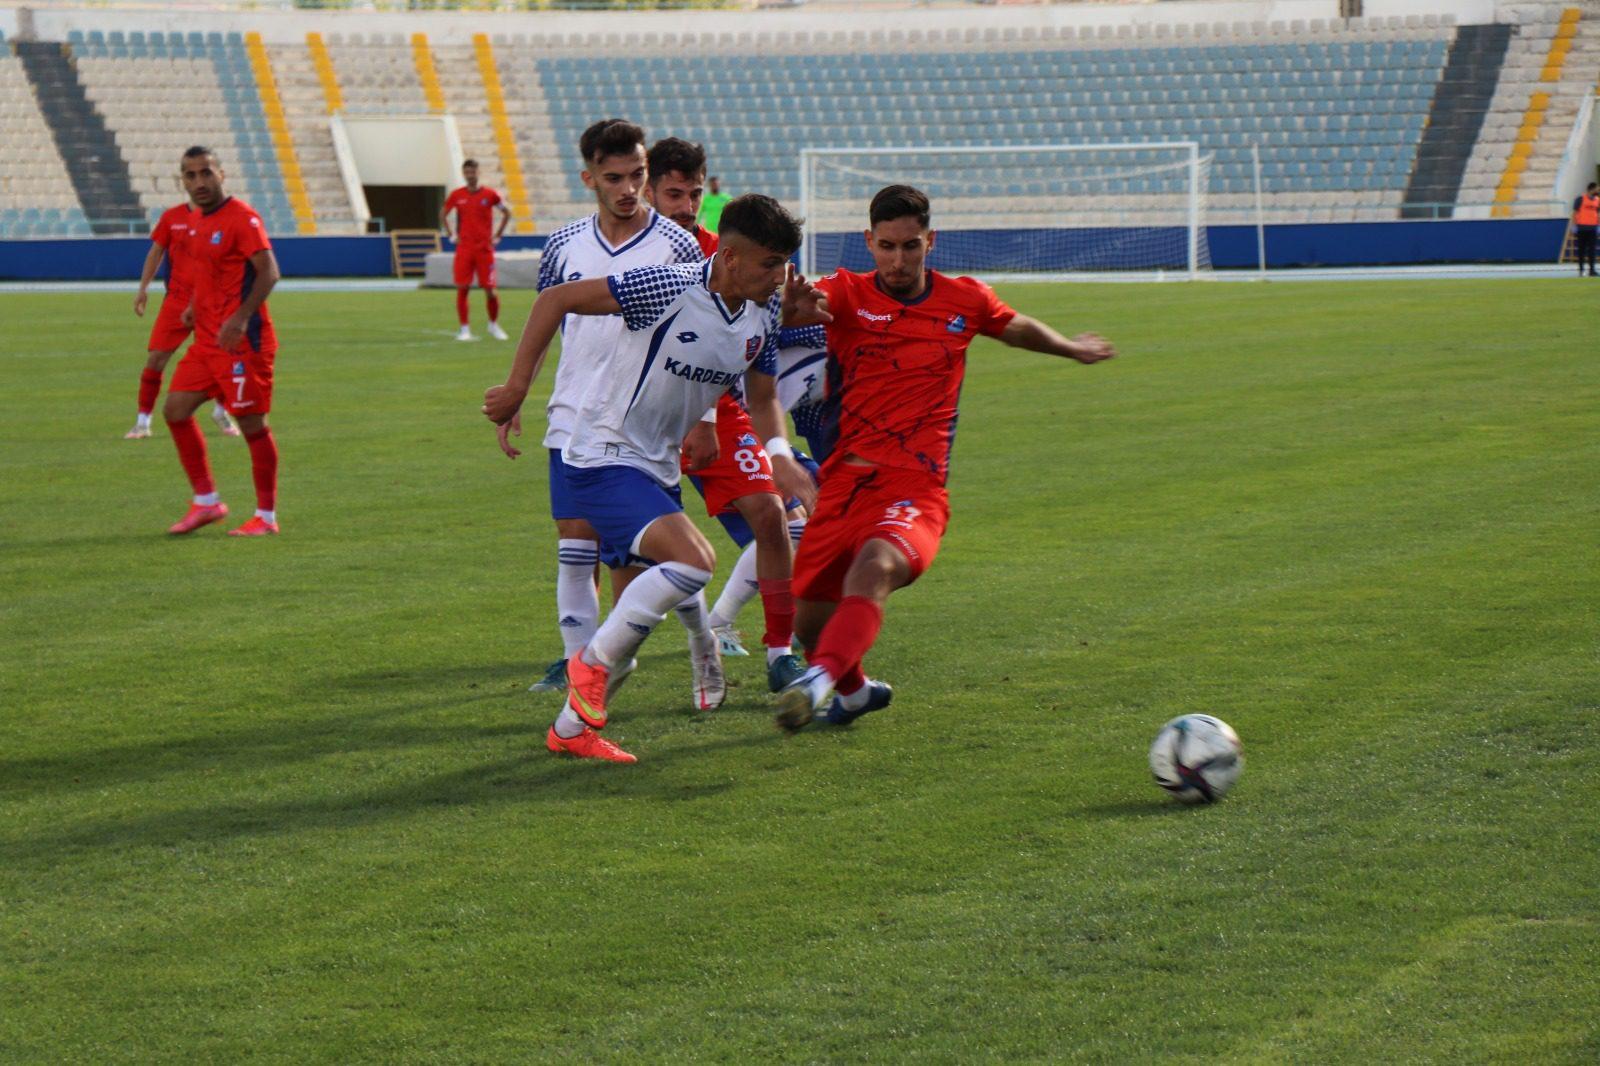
223	242
474	210
895	367
171	234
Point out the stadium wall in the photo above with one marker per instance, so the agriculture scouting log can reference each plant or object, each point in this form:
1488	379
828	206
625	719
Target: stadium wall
1333	244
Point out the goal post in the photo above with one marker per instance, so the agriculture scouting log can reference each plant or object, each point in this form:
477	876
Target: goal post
1046	212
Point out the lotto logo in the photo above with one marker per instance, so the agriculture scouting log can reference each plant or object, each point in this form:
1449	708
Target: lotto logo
574	276
688	336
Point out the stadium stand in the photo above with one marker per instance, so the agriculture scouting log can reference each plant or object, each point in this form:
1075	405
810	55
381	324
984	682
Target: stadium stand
134	79
1359	119
36	199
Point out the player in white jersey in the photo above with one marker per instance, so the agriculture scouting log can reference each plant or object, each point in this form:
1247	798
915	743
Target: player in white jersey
692	332
624	232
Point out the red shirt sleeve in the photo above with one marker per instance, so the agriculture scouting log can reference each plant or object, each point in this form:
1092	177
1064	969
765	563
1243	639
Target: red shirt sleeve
997	315
162	234
494	198
251	235
836	287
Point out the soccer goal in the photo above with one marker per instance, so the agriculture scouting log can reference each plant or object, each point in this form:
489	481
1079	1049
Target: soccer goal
1042	212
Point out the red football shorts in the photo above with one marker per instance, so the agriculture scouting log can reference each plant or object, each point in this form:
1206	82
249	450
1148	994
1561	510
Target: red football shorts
742	467
906	508
475	259
243	377
169	332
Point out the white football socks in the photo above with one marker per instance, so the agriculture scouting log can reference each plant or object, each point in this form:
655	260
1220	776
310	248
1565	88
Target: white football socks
142	420
857	699
740	589
577	601
208	499
692	613
643	605
568	724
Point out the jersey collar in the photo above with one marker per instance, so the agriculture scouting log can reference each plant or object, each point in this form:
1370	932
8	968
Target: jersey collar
722	308
594	227
226	200
927	290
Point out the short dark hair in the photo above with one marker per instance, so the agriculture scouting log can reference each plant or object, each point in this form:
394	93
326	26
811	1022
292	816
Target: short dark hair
610	136
195	151
1594	185
899	201
676	154
763	220
465	163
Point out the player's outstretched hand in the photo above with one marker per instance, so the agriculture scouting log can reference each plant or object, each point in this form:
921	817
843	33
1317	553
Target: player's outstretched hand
1092	348
501	403
803	303
508	430
793	482
139	302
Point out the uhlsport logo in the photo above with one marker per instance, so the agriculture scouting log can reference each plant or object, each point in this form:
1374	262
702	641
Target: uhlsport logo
747	440
958	324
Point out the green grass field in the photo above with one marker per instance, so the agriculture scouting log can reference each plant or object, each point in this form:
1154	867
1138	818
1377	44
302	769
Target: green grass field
287	800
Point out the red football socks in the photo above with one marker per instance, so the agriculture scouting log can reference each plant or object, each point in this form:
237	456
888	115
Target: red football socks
461	305
192	454
149	389
494	309
845	641
777	604
264	467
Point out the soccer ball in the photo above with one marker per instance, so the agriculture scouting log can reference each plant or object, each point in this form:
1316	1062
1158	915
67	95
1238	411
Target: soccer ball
1197	758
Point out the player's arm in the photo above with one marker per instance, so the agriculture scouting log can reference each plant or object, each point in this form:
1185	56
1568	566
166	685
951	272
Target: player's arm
766	414
444	219
505	220
804	304
265	265
1032	335
591	296
152	263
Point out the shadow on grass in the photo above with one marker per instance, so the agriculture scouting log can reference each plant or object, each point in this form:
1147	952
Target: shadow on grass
290	740
1152	808
534	775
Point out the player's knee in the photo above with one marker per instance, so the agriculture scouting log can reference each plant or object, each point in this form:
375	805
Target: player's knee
157	361
877	571
766	519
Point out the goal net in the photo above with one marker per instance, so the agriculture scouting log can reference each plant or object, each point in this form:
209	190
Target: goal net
1033	211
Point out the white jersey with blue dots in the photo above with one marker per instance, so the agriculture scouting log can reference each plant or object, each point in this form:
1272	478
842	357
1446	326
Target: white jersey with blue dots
578	250
682	348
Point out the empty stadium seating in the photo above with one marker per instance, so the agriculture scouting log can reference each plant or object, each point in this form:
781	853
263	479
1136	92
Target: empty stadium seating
1336	108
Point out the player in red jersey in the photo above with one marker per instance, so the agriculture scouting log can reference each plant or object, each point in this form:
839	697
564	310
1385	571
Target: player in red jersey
234	345
743	487
169	240
475	238
897	343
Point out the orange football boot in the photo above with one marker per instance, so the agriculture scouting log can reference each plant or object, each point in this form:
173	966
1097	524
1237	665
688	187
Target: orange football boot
586	690
256	527
586	745
200	514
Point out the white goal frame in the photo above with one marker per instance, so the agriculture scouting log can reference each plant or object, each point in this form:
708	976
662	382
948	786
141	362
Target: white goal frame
1195	193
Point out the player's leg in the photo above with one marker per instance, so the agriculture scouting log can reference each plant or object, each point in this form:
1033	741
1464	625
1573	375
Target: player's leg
191	386
246	381
155	365
463	266
763	513
577	576
839	644
491	292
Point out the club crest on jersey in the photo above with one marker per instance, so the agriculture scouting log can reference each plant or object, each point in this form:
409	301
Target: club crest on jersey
752	348
958	324
216	237
747	440
238	368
